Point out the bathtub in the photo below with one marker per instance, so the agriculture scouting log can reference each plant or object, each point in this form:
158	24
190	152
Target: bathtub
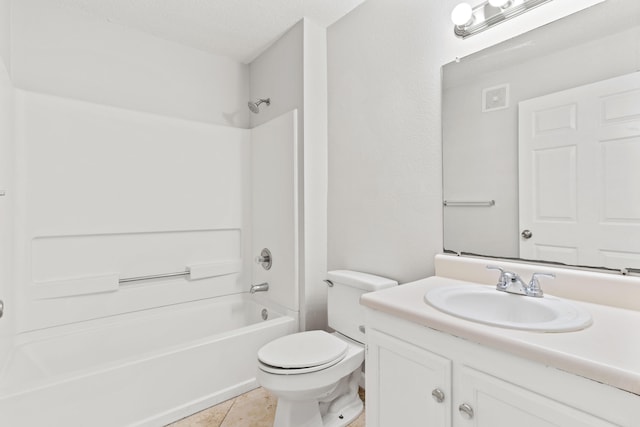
140	369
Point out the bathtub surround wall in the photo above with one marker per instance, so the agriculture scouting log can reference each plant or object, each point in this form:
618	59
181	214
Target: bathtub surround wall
106	194
274	213
293	73
385	186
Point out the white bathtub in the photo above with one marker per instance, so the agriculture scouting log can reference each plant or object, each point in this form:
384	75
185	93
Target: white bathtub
142	369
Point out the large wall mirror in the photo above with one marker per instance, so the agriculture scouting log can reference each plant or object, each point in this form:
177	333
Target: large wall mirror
541	143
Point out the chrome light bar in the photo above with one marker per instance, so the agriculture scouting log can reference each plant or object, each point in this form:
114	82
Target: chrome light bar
485	15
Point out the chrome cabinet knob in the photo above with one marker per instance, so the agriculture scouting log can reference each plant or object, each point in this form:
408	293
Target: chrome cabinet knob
526	234
466	411
438	395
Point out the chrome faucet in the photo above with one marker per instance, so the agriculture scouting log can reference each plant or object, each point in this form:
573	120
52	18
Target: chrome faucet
262	287
534	289
512	283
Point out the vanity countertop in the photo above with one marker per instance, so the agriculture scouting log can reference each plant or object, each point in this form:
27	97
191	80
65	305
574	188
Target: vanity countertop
608	351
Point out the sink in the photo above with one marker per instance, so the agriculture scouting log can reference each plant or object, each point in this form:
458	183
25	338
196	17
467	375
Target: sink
486	305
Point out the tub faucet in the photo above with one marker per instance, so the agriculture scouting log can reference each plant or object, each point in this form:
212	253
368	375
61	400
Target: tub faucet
262	287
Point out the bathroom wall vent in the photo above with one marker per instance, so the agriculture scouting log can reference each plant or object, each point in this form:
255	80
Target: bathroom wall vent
495	98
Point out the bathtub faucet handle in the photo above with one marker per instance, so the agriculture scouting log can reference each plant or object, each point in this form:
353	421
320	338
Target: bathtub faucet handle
264	259
262	287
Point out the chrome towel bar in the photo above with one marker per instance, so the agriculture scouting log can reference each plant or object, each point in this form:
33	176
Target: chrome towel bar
479	204
195	271
154	276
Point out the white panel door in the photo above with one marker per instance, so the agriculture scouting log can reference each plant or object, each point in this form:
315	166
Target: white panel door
579	152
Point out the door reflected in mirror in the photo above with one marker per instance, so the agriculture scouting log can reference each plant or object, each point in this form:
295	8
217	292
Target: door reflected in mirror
546	126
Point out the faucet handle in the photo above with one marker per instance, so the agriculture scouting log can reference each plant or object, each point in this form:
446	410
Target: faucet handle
265	259
534	289
504	276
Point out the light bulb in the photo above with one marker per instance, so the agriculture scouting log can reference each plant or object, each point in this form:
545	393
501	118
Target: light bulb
502	4
462	15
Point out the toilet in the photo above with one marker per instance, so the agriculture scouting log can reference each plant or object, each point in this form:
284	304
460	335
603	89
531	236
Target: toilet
316	374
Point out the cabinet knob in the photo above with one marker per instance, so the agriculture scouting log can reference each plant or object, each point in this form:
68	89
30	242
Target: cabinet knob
466	411
438	395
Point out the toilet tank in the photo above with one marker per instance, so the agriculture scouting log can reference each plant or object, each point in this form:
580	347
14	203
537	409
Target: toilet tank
344	312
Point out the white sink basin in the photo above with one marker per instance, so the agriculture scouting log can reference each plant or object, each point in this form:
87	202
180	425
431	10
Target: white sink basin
485	304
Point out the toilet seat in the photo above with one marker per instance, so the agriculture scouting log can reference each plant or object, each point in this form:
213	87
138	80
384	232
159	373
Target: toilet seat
301	353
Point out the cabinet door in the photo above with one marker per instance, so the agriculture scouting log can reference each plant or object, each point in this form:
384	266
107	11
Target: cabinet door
498	403
400	380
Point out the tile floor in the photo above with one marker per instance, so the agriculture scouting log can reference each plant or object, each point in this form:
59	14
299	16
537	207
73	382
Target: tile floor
256	408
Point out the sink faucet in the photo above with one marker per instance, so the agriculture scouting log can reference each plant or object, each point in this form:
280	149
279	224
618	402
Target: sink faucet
512	283
262	287
534	289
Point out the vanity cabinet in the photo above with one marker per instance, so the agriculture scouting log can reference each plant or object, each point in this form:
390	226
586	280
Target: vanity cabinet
496	402
410	386
417	376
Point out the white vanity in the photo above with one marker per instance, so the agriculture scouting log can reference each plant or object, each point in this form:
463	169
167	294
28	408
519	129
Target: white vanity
428	368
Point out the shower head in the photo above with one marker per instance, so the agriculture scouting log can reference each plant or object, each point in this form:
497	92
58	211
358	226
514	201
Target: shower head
254	106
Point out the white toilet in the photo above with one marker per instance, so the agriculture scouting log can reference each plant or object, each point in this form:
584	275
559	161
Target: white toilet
315	374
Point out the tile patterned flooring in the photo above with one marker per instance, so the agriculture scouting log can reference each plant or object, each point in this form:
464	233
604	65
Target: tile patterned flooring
256	408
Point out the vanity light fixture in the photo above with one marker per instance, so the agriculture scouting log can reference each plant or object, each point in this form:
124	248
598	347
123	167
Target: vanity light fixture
469	20
502	4
462	15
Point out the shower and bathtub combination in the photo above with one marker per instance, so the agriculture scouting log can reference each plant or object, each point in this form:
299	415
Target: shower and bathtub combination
134	309
147	368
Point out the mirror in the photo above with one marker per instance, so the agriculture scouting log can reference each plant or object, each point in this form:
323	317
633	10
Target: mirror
518	182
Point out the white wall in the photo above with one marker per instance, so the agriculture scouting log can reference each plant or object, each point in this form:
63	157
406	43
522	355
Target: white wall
278	74
314	292
385	179
69	53
6	180
5	32
292	72
384	208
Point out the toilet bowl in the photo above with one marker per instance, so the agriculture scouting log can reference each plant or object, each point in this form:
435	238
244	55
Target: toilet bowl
315	374
313	388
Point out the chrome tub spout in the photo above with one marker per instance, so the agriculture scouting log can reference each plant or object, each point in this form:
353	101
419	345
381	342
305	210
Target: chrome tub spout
262	287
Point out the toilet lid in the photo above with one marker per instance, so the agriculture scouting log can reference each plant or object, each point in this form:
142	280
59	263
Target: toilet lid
303	350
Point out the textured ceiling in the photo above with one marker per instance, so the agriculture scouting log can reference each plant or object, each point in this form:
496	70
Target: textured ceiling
239	29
